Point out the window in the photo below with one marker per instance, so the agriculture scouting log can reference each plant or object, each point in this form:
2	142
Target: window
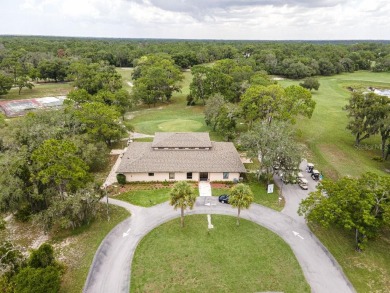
225	175
171	175
150	174
189	175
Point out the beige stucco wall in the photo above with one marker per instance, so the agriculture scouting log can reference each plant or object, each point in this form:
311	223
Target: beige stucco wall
132	177
219	176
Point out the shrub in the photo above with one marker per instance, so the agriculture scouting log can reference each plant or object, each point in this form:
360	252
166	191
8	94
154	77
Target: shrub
42	257
24	212
2	224
377	158
38	280
74	211
121	178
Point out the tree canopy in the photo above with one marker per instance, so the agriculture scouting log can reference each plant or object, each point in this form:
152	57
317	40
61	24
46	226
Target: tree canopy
156	78
369	115
94	77
266	103
57	163
6	83
208	81
358	204
100	122
275	147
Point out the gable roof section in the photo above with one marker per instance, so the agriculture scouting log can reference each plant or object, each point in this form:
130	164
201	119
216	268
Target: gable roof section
141	158
181	140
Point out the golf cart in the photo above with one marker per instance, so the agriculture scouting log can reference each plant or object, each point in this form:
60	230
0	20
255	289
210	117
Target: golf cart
315	175
299	175
288	177
310	168
302	182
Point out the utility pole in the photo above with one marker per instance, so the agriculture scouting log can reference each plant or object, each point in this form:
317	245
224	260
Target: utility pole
105	189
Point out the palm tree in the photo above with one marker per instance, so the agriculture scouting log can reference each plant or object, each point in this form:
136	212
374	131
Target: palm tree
241	196
182	196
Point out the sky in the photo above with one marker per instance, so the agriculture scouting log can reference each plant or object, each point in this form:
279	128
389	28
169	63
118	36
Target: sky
199	19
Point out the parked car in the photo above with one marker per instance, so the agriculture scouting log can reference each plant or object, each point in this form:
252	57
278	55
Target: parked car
302	182
224	198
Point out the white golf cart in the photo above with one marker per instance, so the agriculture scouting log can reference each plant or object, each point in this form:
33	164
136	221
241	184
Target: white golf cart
303	183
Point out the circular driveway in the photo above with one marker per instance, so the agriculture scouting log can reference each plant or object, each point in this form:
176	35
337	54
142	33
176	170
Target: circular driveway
111	267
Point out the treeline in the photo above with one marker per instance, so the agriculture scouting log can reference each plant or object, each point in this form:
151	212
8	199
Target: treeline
290	59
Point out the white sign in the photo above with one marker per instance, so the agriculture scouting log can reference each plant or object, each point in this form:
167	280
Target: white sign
210	226
270	188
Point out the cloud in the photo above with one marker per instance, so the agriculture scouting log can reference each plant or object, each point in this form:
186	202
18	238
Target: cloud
199	9
220	19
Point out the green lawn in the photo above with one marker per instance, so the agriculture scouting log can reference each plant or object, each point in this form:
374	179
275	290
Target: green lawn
151	197
76	248
39	90
369	271
270	200
260	195
331	145
248	258
145	198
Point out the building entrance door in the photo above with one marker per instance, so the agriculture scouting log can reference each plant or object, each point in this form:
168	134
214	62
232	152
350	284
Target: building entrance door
203	176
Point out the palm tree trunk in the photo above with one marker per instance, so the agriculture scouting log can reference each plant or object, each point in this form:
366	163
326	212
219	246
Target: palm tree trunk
182	217
238	216
383	148
357	140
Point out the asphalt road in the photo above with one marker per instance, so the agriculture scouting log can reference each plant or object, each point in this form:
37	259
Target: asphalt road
111	268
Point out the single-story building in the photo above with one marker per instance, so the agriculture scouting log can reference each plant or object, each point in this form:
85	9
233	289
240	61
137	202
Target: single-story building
174	156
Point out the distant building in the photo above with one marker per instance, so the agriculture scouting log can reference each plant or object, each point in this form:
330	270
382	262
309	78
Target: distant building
13	108
174	156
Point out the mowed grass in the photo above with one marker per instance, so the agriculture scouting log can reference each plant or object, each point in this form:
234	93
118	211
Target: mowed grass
369	271
174	116
127	80
331	145
76	248
151	197
248	258
39	90
261	196
145	198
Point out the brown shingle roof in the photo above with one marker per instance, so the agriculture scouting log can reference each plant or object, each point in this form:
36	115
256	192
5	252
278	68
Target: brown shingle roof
141	158
181	140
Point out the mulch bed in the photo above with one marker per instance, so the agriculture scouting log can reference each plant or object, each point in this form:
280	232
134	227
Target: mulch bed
117	188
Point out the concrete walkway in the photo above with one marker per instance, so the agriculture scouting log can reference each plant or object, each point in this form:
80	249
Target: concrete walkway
111	178
204	188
